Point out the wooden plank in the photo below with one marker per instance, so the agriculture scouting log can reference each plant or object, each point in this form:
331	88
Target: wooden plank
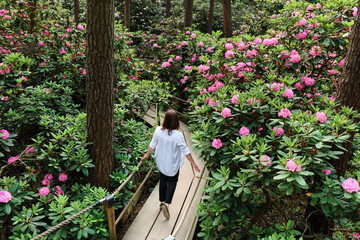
144	221
110	213
163	227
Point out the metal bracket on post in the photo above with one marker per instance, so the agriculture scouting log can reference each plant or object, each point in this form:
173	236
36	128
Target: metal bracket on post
110	213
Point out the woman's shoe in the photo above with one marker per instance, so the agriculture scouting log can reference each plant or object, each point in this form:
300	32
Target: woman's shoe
165	210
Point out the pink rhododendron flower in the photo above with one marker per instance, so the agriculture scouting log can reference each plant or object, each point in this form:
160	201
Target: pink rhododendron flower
67	44
285	113
13	159
188	68
292	166
200	44
45	182
226	112
278	131
321	116
69	30
63	177
309	81
41	44
228	46
295	58
5	133
165	64
235	99
302	22
29	150
258	41
183	43
350	185
251	53
299	86
155	45
62	51
216	143
193	35
288	93
81	27
244	131
271	41
275	86
48	177
229	54
318	5
356	235
208	49
355	10
341	63
44	191
266	160
58	191
333	72
326	171
177	58
5	196
315	51
309	8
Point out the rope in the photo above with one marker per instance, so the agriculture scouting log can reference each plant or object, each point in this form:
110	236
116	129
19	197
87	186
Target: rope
176	231
60	225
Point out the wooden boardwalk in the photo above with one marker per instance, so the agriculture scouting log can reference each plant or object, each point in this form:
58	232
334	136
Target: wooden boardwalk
150	223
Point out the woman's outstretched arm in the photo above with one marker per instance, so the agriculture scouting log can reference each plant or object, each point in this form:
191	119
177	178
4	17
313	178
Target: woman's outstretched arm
147	154
191	160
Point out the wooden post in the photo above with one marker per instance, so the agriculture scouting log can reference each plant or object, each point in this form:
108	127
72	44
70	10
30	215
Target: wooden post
110	213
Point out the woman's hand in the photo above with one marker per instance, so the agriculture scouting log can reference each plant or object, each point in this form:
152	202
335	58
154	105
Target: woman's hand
196	167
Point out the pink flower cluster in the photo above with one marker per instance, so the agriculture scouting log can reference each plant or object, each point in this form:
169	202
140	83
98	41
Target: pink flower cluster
292	166
321	116
270	41
284	113
13	159
244	131
266	160
235	99
288	93
44	191
326	171
5	133
226	112
216	143
350	185
5	196
58	191
275	86
47	179
278	131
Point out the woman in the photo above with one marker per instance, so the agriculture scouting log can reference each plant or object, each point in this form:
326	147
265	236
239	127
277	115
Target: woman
169	155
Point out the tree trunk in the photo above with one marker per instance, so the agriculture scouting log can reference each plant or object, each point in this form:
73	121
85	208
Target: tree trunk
127	13
168	6
76	12
100	89
227	17
211	15
348	94
188	4
32	16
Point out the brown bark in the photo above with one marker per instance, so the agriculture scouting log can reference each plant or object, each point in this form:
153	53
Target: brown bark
100	89
32	15
127	13
76	12
348	91
168	6
211	15
188	4
227	17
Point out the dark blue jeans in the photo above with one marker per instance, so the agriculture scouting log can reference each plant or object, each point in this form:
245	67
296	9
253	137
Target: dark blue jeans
167	187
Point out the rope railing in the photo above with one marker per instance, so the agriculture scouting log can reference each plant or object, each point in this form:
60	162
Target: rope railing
108	198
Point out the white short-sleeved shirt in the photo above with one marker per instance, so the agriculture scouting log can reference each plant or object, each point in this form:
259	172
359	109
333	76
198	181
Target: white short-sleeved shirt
170	150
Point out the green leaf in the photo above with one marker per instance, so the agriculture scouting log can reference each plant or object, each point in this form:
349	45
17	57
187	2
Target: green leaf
85	171
289	190
300	180
14	188
219	184
281	176
217	221
7	208
319	145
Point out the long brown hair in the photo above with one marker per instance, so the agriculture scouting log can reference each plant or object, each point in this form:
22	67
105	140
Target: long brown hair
171	121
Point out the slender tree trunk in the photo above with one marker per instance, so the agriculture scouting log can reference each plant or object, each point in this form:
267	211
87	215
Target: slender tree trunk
100	89
32	16
127	13
168	6
211	16
348	94
76	12
188	4
227	17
